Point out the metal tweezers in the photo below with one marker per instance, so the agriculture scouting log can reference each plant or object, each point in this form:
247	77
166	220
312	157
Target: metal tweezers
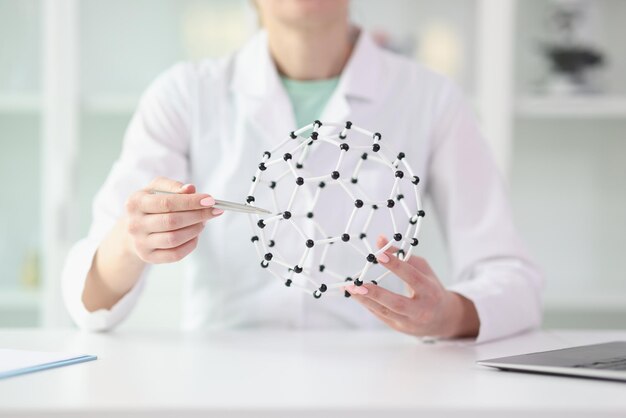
239	207
231	206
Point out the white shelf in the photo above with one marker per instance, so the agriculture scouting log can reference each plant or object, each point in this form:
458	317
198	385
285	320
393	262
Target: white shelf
115	104
101	103
591	302
20	103
571	107
19	299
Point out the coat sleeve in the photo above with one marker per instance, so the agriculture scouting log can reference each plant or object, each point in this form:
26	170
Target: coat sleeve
490	264
155	144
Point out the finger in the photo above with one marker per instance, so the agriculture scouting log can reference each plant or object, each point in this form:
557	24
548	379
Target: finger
165	203
419	263
172	255
173	239
176	220
398	322
387	321
379	310
392	301
166	185
188	189
382	241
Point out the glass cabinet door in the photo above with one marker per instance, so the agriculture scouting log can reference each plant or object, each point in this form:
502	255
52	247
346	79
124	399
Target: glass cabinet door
19	162
569	177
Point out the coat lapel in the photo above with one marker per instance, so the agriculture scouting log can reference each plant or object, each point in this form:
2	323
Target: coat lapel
265	103
263	99
359	81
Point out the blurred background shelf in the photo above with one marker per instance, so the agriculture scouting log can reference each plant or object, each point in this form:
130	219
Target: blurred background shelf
110	104
20	103
572	107
597	302
592	311
19	307
16	298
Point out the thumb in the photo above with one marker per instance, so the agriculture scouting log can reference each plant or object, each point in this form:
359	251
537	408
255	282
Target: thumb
382	241
164	184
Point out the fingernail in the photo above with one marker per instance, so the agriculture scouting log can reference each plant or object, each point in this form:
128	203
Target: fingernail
207	201
203	223
383	258
217	212
357	290
184	186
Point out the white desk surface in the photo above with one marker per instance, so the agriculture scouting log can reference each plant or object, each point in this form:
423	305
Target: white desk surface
294	374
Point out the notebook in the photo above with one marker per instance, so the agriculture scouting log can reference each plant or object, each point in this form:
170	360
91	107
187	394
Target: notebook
17	362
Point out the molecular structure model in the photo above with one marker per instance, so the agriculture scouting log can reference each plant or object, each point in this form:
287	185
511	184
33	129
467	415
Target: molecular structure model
337	184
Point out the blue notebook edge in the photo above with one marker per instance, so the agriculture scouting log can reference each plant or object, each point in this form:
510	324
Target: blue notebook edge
47	366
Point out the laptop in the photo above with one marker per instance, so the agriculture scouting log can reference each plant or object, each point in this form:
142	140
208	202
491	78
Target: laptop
599	361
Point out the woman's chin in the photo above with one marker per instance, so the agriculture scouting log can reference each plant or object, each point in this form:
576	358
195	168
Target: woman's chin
307	13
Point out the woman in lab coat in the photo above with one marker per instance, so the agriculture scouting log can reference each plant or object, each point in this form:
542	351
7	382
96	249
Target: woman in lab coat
202	127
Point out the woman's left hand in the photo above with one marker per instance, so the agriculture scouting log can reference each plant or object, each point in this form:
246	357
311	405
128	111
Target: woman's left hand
428	309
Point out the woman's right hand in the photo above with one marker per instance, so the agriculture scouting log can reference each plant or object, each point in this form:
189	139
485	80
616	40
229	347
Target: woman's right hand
164	228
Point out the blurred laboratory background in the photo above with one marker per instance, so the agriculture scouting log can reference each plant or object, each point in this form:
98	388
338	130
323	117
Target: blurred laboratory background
547	79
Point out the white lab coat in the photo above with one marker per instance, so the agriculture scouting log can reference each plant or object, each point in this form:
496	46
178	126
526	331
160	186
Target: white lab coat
208	123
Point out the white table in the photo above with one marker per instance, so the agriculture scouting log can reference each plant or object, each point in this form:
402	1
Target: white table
298	374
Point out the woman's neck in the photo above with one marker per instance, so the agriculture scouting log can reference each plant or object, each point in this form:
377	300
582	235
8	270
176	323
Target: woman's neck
311	53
